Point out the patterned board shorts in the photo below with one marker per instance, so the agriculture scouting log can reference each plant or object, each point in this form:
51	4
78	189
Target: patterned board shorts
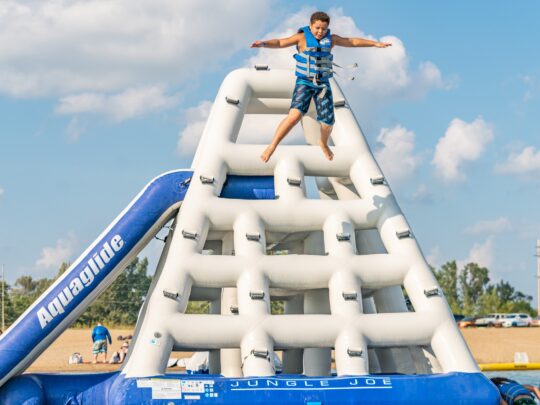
100	346
303	93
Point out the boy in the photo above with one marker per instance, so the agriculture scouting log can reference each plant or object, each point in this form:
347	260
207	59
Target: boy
514	393
313	70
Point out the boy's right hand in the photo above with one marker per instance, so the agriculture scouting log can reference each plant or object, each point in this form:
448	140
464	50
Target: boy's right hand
257	44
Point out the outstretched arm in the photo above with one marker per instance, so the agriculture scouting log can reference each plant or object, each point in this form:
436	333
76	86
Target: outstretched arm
357	42
533	389
278	43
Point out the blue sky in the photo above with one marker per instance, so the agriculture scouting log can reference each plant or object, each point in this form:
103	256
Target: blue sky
98	98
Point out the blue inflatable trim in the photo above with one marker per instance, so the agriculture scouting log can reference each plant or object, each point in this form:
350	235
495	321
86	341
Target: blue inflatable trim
249	187
115	389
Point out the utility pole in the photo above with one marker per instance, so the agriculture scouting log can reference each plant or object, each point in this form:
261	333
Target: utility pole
538	275
3	288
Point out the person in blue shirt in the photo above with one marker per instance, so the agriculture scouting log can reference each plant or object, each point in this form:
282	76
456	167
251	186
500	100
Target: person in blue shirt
314	68
100	336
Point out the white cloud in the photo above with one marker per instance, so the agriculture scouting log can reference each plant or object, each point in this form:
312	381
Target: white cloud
1	191
256	129
524	162
423	195
382	74
434	257
191	134
463	142
489	226
52	257
396	156
61	47
130	103
531	87
74	129
480	253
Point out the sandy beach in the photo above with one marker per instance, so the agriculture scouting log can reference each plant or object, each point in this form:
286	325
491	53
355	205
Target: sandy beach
498	345
55	358
488	345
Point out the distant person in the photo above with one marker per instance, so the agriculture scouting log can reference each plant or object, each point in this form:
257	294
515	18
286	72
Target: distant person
123	351
514	393
100	336
314	64
115	358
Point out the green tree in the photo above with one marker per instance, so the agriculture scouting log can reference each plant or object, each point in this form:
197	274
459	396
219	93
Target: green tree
469	291
447	277
119	305
473	282
25	291
198	307
9	311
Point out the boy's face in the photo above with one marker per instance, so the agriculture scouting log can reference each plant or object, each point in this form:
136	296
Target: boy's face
319	29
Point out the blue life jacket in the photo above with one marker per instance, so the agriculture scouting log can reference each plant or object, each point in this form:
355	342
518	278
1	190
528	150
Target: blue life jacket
511	390
315	62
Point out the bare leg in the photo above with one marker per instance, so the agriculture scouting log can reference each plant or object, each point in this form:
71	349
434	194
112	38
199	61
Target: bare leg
326	130
282	130
94	360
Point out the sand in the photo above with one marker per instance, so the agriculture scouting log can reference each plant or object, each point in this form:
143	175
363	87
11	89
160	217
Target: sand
488	345
55	358
498	345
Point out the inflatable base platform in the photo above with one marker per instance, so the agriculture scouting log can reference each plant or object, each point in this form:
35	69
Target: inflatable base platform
114	388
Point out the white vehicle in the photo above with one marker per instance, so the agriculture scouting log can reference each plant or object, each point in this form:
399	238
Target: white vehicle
489	319
511	320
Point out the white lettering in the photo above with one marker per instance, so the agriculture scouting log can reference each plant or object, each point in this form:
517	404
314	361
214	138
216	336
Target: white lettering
57	306
324	383
117	243
370	381
386	381
232	384
93	266
65	297
108	249
87	276
272	382
307	384
44	317
252	383
75	286
68	294
355	382
107	253
98	261
290	383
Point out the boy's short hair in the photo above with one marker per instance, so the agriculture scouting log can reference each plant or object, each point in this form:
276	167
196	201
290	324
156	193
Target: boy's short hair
320	16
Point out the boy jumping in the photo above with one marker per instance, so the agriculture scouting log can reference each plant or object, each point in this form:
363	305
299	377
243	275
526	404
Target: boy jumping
314	44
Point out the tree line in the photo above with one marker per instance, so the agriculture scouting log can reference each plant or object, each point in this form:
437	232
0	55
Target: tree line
469	291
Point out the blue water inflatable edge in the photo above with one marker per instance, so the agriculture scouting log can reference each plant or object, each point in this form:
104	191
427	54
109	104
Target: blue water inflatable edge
180	389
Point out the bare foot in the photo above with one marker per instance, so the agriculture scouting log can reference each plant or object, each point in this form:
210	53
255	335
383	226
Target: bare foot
267	153
326	150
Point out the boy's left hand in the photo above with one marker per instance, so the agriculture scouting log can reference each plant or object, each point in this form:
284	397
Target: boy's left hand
382	44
